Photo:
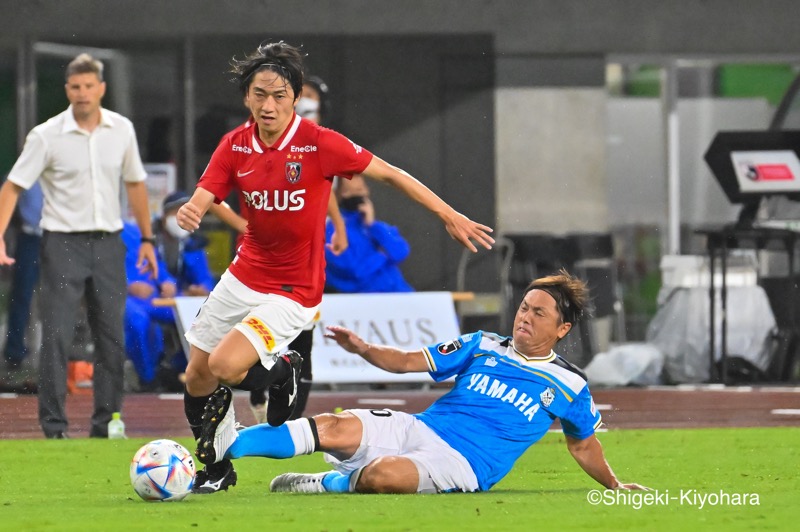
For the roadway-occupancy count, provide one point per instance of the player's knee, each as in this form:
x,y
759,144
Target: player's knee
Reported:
x,y
199,376
339,434
330,426
223,370
389,474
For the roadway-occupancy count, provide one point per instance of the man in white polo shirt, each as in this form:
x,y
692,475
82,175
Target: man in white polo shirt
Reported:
x,y
81,156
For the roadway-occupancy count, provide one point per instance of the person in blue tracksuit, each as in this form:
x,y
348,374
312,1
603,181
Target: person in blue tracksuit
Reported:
x,y
144,337
183,253
183,271
371,263
25,274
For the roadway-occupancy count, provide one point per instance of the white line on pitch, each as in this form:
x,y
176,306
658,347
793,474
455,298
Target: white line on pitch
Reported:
x,y
786,411
170,396
601,406
376,401
8,396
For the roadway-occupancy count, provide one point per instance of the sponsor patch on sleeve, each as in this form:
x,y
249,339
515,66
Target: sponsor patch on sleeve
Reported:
x,y
449,347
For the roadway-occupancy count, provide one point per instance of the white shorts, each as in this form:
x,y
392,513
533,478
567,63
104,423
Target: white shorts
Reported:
x,y
391,433
269,321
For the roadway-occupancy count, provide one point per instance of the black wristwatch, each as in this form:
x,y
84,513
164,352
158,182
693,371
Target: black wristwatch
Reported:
x,y
149,240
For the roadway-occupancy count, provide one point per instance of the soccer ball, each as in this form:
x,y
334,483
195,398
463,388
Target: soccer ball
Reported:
x,y
162,470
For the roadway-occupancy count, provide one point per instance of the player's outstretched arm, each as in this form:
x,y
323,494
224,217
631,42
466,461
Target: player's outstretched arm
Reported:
x,y
458,226
589,455
385,357
191,212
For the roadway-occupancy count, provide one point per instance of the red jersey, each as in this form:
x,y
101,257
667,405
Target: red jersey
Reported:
x,y
285,190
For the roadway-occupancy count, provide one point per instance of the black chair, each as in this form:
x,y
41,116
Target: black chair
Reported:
x,y
535,255
592,257
486,274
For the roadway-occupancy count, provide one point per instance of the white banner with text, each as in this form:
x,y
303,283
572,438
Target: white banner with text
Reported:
x,y
408,321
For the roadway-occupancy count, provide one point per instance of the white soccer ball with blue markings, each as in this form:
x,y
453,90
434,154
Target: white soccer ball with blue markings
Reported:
x,y
162,470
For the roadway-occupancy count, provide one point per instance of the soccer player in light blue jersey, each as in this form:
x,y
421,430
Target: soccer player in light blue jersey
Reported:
x,y
507,393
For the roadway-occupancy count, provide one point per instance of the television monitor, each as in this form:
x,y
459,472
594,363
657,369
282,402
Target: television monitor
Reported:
x,y
752,164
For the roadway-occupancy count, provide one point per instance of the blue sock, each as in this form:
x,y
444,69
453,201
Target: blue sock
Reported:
x,y
263,440
336,482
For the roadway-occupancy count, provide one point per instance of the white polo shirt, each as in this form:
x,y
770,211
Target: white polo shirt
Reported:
x,y
80,172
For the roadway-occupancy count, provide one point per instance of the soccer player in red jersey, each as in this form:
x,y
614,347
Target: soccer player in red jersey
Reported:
x,y
283,166
312,104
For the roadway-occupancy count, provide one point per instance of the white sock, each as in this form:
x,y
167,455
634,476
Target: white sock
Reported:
x,y
302,436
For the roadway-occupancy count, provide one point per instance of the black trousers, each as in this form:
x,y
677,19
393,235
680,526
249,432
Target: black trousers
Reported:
x,y
74,265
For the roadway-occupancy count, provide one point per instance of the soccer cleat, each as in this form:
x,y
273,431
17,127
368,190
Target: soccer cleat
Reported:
x,y
218,428
218,477
283,396
299,482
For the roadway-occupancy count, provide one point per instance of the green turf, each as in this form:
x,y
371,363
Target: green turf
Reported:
x,y
83,485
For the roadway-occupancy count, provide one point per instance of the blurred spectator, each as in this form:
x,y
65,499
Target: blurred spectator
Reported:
x,y
314,102
183,253
82,156
152,341
372,260
144,337
25,274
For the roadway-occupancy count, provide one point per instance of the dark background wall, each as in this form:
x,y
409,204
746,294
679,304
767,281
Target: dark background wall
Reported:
x,y
519,26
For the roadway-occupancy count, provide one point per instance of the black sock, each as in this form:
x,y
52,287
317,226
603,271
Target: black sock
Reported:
x,y
303,391
258,397
314,431
193,408
303,343
260,377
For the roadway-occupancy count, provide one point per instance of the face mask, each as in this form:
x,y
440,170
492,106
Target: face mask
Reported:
x,y
351,203
171,226
307,108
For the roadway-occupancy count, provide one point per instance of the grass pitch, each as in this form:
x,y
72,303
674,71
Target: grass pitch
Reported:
x,y
708,479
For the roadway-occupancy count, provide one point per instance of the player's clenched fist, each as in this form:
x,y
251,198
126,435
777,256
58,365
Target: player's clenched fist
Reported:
x,y
189,216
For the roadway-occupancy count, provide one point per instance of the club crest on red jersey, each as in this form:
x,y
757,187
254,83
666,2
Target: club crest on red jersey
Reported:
x,y
293,170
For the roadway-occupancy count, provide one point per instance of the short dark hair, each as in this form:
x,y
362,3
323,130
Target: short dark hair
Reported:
x,y
279,57
571,294
84,64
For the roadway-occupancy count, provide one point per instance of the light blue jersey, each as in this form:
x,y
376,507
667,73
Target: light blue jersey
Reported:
x,y
502,403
